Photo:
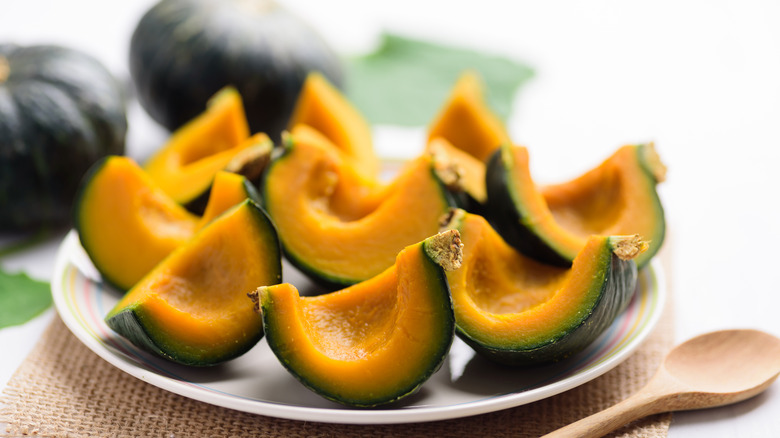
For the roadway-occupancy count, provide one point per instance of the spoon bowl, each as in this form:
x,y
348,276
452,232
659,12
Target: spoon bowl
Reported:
x,y
725,362
713,369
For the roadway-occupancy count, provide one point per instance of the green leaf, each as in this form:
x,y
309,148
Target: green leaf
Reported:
x,y
21,298
406,81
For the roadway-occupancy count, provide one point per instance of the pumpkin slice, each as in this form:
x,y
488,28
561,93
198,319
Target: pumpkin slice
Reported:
x,y
323,107
467,122
218,139
127,224
553,223
372,343
192,307
471,173
341,228
228,190
518,311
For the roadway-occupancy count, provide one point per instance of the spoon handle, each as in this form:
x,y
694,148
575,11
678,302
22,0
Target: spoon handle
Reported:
x,y
601,423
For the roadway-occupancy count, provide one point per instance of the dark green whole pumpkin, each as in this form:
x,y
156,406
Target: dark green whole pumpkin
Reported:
x,y
184,51
60,111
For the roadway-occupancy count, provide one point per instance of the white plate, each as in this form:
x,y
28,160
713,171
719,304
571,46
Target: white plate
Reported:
x,y
257,383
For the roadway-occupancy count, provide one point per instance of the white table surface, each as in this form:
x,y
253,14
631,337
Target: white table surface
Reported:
x,y
700,78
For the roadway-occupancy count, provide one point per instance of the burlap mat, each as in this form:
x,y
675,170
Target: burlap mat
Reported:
x,y
62,389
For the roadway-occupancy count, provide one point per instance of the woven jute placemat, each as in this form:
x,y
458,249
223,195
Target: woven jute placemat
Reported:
x,y
63,389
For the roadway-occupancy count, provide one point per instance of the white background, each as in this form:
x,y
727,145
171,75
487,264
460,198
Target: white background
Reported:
x,y
699,78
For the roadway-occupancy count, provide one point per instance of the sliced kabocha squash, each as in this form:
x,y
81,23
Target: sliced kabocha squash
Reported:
x,y
517,311
192,307
467,122
127,224
470,173
341,228
228,190
217,139
553,223
468,131
372,343
323,107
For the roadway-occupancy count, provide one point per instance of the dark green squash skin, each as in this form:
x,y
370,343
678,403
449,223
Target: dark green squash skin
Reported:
x,y
133,324
265,52
618,280
141,330
507,216
439,287
327,281
60,111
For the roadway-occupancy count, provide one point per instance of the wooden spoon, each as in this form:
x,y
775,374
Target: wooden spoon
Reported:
x,y
713,369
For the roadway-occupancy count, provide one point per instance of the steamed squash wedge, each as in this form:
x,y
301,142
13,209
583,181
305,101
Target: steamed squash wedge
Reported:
x,y
470,173
552,223
517,311
468,132
127,224
323,107
372,343
339,227
217,139
228,190
467,122
192,307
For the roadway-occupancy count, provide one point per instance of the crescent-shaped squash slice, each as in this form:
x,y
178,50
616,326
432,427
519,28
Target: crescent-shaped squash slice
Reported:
x,y
217,139
127,224
339,227
323,107
192,307
471,173
553,223
372,343
467,122
517,311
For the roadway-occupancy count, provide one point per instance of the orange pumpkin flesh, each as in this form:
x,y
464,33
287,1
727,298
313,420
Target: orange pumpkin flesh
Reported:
x,y
322,107
340,227
553,223
609,199
127,224
467,122
227,190
192,308
373,342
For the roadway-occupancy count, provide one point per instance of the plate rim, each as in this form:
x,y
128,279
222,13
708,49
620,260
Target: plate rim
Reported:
x,y
416,414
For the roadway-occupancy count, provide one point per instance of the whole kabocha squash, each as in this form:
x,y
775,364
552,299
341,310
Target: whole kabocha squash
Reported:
x,y
184,51
60,111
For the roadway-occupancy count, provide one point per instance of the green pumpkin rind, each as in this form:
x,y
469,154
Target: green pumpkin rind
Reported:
x,y
60,111
260,48
507,212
